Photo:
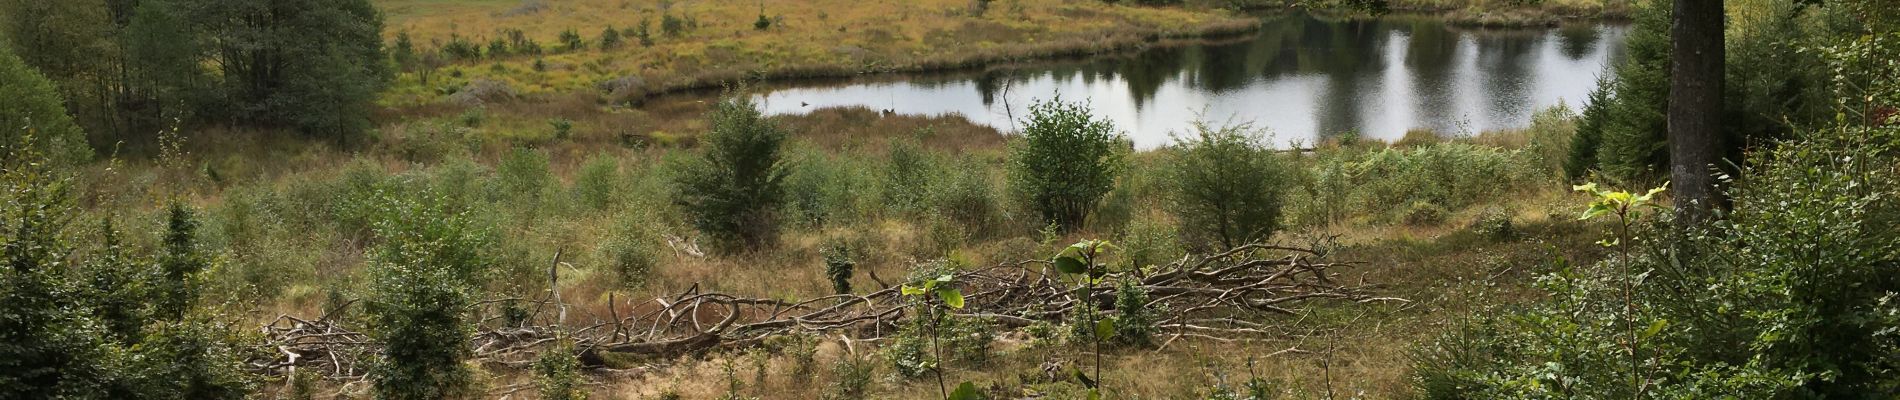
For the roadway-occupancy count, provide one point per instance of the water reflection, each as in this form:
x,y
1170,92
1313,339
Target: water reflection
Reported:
x,y
1300,76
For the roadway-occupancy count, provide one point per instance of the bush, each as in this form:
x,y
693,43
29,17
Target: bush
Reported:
x,y
1136,324
762,23
53,348
598,182
1423,213
838,267
571,41
732,192
851,378
1064,162
1225,186
558,372
906,177
522,177
631,252
1495,224
179,265
191,360
423,270
826,189
609,38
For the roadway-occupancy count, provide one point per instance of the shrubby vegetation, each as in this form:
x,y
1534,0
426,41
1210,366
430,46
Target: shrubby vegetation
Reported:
x,y
1789,296
1067,159
733,191
1226,186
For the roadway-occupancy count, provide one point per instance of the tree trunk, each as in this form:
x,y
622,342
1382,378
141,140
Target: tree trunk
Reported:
x,y
1695,105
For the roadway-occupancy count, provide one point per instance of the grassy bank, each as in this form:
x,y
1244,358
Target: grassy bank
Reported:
x,y
707,43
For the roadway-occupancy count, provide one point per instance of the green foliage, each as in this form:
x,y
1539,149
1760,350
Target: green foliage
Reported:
x,y
191,360
1135,326
571,41
179,264
522,177
1631,141
558,372
762,23
272,73
1786,298
827,189
1495,224
117,284
672,26
1423,213
851,378
563,128
425,266
631,252
598,183
1065,162
644,34
609,38
50,347
839,266
732,192
1225,186
34,103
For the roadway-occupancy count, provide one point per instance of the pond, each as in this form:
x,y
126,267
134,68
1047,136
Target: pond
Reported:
x,y
1301,77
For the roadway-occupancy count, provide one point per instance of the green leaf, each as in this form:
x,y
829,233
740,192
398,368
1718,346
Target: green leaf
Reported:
x,y
1071,265
1655,328
1095,394
911,290
951,297
1104,329
965,391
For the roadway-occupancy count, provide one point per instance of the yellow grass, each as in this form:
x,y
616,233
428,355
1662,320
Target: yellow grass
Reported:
x,y
809,38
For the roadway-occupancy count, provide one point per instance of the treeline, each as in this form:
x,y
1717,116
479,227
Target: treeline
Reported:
x,y
129,68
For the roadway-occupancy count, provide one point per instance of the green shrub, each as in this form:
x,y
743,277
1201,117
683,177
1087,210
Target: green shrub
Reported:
x,y
1495,224
733,191
116,283
191,360
1225,186
179,264
1789,297
571,41
762,23
1064,162
522,178
632,251
1136,324
425,266
826,189
839,266
1423,213
906,177
598,183
851,378
558,372
609,38
53,348
563,128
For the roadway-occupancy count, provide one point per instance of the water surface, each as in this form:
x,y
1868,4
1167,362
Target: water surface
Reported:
x,y
1300,77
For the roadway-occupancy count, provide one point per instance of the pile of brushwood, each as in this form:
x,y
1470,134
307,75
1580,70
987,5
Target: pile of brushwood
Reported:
x,y
1233,295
